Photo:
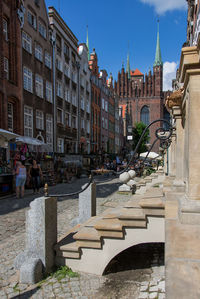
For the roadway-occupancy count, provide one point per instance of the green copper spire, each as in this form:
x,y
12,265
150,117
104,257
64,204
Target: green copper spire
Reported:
x,y
158,59
87,43
128,65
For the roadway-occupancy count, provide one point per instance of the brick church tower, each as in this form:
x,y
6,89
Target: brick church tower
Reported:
x,y
143,94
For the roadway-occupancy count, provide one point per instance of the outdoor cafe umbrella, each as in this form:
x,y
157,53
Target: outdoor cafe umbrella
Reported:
x,y
151,155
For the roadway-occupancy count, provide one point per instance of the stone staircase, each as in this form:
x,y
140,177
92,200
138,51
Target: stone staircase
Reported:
x,y
90,246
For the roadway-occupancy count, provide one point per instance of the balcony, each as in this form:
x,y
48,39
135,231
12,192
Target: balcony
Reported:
x,y
74,109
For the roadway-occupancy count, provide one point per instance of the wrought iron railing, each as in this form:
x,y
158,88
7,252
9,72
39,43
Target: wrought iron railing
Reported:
x,y
162,134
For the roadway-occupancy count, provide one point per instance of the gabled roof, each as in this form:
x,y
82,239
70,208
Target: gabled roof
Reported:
x,y
136,73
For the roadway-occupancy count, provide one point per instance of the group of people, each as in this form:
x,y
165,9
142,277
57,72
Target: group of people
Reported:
x,y
34,174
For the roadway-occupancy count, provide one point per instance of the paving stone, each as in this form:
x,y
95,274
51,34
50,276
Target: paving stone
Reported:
x,y
161,296
161,286
153,295
143,296
153,289
144,288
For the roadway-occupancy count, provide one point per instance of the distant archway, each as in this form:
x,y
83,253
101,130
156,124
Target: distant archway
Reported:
x,y
144,115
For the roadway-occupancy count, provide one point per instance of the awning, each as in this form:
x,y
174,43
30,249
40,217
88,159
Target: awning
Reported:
x,y
7,134
33,141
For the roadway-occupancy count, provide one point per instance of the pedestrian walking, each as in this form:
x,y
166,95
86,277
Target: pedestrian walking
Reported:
x,y
35,173
20,178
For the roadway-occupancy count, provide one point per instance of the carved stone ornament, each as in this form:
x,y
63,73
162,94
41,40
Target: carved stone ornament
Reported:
x,y
175,99
20,12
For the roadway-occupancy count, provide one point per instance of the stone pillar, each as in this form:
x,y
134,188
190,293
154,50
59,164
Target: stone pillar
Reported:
x,y
193,135
87,204
179,181
172,156
41,236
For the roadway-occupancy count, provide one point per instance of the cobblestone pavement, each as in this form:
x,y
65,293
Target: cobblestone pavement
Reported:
x,y
132,283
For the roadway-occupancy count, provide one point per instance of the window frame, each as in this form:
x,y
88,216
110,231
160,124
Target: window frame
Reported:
x,y
39,87
26,42
30,115
39,120
29,76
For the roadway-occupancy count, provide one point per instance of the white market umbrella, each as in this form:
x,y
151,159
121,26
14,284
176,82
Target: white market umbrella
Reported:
x,y
7,134
151,155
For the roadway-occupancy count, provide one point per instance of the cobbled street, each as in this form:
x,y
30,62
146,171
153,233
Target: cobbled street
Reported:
x,y
124,278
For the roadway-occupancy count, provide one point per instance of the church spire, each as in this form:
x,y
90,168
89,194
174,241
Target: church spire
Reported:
x,y
158,59
87,43
128,65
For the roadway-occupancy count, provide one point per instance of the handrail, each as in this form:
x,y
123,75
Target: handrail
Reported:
x,y
160,135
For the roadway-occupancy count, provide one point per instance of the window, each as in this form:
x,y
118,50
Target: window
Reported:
x,y
49,130
60,145
47,59
106,124
28,79
67,95
26,42
6,68
38,52
28,121
59,116
102,122
144,115
87,107
74,122
5,29
59,89
10,117
88,126
67,71
103,104
66,50
106,106
82,104
67,119
74,99
42,30
39,86
39,120
74,77
32,20
48,91
59,64
82,123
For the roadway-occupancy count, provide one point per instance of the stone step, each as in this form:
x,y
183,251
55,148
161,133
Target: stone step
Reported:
x,y
88,234
131,214
153,202
68,254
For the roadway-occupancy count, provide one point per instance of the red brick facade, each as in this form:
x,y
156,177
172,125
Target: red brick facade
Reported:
x,y
10,68
142,92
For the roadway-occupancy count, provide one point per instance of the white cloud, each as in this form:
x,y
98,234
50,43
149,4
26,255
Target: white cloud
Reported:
x,y
169,73
162,6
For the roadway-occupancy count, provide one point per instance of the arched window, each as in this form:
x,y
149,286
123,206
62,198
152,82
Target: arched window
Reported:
x,y
144,115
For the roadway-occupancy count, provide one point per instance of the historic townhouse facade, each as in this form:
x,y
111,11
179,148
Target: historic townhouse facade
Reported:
x,y
95,104
66,81
37,68
85,101
10,66
104,111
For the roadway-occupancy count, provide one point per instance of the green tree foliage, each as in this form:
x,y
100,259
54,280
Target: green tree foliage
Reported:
x,y
137,132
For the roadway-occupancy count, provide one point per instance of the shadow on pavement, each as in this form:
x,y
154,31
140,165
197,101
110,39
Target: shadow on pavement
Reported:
x,y
104,189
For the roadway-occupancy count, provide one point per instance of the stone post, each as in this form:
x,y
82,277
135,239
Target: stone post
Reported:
x,y
87,204
193,135
41,236
172,156
179,181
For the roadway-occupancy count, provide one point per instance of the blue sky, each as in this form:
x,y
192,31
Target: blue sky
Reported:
x,y
112,25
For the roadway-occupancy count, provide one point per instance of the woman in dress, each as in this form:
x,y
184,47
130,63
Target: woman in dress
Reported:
x,y
20,178
35,173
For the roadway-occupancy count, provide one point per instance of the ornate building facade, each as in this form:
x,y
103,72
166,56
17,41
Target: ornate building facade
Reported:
x,y
10,66
142,95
